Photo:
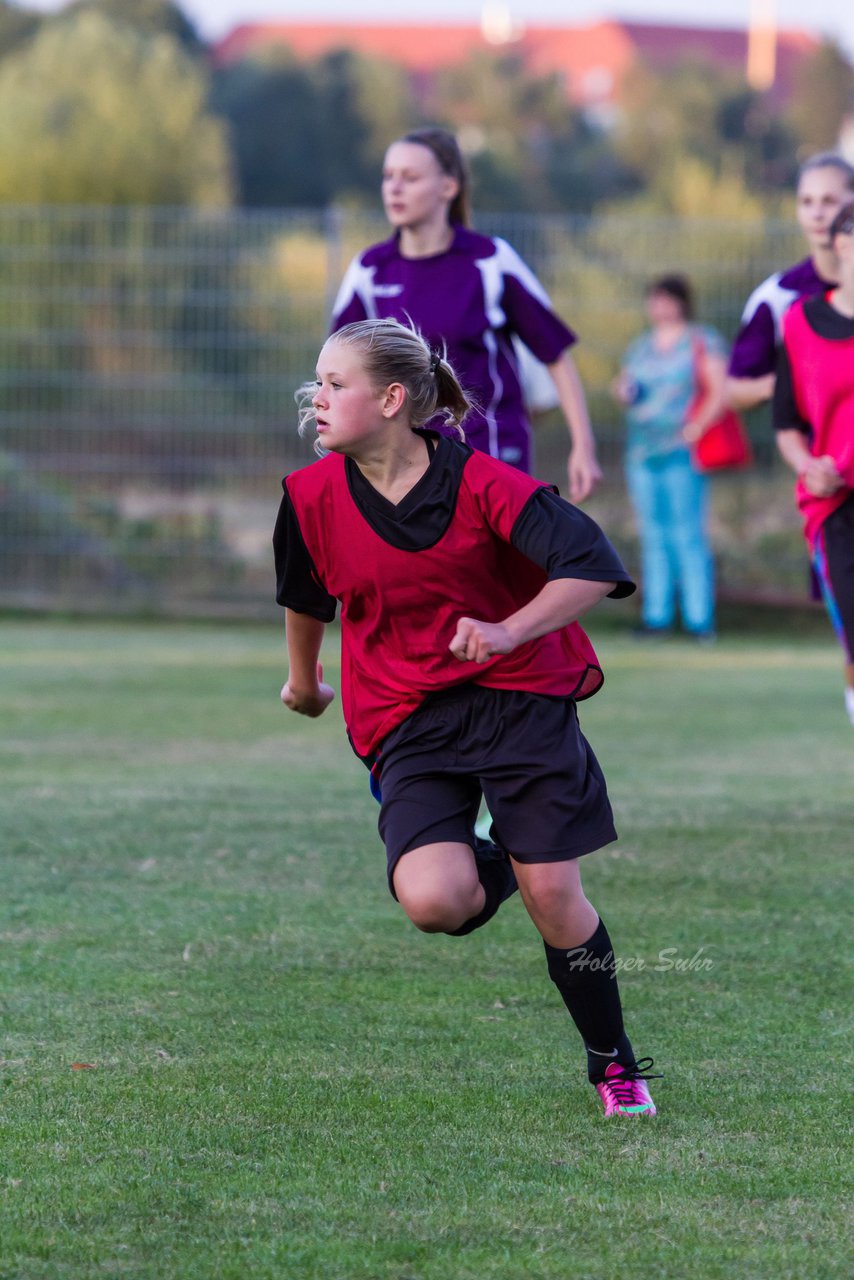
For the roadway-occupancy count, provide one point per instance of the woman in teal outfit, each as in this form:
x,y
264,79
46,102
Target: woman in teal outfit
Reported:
x,y
657,386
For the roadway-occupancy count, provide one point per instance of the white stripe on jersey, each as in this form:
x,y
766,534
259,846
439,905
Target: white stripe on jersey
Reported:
x,y
510,264
493,287
506,262
775,298
493,270
358,283
489,341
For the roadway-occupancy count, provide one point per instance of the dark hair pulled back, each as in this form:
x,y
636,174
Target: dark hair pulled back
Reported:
x,y
449,157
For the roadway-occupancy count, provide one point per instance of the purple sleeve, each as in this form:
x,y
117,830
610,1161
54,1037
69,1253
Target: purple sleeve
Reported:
x,y
351,313
528,307
754,352
542,331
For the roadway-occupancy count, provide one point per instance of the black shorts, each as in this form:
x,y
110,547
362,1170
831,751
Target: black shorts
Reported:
x,y
523,752
834,564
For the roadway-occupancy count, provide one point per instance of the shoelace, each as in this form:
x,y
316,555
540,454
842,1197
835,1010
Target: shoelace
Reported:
x,y
621,1085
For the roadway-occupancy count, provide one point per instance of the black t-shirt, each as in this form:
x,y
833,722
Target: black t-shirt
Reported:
x,y
828,323
562,540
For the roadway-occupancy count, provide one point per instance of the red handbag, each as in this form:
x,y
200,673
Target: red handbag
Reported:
x,y
725,444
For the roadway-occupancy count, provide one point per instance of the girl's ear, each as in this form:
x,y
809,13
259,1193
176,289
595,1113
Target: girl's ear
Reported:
x,y
451,188
394,398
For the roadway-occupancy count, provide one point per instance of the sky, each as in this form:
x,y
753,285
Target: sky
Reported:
x,y
214,18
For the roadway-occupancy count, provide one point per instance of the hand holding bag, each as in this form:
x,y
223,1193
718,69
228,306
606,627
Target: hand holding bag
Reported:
x,y
725,444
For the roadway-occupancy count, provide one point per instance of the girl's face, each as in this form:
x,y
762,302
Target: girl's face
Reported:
x,y
663,308
349,410
415,190
821,194
844,248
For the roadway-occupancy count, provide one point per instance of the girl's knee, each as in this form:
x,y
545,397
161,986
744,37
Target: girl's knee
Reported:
x,y
438,887
551,889
545,906
436,913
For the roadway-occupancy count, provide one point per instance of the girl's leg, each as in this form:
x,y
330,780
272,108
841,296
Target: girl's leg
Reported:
x,y
438,886
687,494
649,501
833,561
580,959
556,902
446,888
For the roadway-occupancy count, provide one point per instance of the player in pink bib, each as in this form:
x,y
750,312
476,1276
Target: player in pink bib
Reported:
x,y
814,421
825,184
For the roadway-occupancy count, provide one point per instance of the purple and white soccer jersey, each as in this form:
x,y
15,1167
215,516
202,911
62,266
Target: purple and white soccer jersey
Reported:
x,y
754,351
474,297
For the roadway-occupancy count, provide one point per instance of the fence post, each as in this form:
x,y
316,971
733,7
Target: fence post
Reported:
x,y
332,231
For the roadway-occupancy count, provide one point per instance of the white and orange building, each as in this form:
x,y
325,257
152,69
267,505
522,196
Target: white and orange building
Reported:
x,y
591,60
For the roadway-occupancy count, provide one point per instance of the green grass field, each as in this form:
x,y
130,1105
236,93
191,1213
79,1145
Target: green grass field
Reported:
x,y
285,1079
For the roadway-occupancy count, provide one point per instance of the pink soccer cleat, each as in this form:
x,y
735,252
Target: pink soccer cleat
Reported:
x,y
624,1091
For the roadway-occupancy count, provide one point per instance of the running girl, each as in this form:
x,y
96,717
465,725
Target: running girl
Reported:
x,y
460,582
471,294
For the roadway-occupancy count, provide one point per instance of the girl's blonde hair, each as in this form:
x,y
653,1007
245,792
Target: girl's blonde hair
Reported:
x,y
395,352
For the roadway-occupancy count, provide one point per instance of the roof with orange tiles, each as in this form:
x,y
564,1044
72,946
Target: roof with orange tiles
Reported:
x,y
592,59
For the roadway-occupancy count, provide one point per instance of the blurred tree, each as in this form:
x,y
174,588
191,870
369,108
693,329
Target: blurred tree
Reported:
x,y
664,117
755,140
310,133
824,96
344,156
529,149
700,114
365,104
16,26
695,189
92,112
150,17
272,111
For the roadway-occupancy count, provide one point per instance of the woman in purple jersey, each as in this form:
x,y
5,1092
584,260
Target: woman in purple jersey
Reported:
x,y
471,293
825,183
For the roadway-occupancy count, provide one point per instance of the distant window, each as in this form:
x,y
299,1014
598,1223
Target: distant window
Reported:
x,y
598,82
602,116
471,138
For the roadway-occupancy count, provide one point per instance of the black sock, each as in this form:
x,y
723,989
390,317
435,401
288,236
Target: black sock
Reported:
x,y
586,978
496,874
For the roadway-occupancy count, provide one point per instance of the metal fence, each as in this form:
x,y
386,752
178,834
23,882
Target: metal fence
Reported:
x,y
148,363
